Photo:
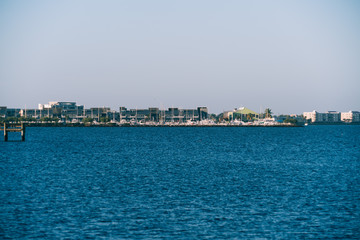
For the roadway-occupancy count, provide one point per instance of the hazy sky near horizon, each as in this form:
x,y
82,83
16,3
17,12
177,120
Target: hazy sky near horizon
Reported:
x,y
290,56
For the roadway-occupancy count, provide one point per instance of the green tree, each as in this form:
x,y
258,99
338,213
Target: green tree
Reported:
x,y
268,113
12,119
249,116
104,119
49,119
27,119
290,120
87,120
213,117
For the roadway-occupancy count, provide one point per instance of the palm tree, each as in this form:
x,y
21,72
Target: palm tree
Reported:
x,y
268,113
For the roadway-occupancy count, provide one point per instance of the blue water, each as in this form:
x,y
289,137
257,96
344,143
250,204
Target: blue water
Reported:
x,y
183,183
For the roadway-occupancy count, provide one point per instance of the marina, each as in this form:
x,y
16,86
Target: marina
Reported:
x,y
167,124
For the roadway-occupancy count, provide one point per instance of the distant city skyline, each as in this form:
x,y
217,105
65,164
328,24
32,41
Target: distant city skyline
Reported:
x,y
292,57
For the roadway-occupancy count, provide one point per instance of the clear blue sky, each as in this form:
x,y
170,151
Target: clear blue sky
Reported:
x,y
290,56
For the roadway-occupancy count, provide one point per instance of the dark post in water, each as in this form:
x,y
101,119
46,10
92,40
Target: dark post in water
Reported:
x,y
14,127
5,133
22,132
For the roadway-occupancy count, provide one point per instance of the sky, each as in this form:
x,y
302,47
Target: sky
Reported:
x,y
290,56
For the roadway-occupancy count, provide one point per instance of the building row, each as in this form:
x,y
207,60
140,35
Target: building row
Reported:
x,y
73,112
70,111
332,116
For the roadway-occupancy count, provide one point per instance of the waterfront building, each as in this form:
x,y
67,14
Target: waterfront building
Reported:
x,y
13,112
203,113
3,111
136,115
185,115
112,116
49,113
351,116
45,112
169,115
333,116
154,114
174,115
240,113
328,117
192,115
62,110
29,113
122,114
62,105
97,112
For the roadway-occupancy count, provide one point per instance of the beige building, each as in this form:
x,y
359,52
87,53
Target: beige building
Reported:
x,y
351,116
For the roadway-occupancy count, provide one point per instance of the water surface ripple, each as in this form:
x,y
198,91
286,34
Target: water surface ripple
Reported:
x,y
183,183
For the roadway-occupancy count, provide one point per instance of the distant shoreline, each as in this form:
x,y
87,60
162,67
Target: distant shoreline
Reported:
x,y
79,125
145,126
340,123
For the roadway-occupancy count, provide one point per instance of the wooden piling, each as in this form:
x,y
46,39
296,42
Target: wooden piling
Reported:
x,y
22,132
13,127
5,133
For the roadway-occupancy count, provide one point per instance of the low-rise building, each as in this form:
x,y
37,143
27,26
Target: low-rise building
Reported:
x,y
242,113
69,110
328,117
156,115
97,112
13,112
351,116
29,113
62,105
